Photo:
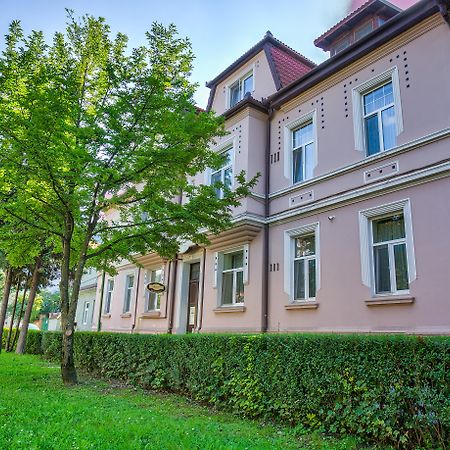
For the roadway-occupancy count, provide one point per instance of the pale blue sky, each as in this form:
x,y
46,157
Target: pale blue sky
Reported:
x,y
219,31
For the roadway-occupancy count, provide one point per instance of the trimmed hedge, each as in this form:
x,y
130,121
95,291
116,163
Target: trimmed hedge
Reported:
x,y
33,344
388,389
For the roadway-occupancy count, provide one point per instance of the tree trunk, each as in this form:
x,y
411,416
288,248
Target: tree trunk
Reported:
x,y
26,319
19,317
4,307
8,340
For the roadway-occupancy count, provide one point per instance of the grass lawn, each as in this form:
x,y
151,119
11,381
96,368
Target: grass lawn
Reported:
x,y
38,412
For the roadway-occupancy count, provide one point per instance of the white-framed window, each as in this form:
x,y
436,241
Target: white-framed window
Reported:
x,y
387,248
304,267
129,287
390,265
302,152
240,88
379,119
85,313
224,174
109,295
300,155
152,299
231,275
233,278
301,262
377,113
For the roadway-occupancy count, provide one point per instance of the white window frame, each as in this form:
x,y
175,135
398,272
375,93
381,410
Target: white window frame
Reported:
x,y
289,257
129,290
222,170
218,271
289,148
148,294
366,217
358,92
109,295
85,317
240,83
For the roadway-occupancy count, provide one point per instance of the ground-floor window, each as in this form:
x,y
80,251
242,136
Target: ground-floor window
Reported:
x,y
85,313
304,267
109,294
129,286
233,278
153,299
389,255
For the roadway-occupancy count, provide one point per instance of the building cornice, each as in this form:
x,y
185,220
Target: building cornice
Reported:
x,y
409,146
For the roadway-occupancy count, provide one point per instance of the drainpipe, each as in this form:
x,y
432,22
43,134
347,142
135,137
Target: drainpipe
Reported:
x,y
102,291
203,291
169,289
265,258
172,294
136,299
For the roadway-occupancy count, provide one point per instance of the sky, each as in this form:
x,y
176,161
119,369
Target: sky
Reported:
x,y
220,32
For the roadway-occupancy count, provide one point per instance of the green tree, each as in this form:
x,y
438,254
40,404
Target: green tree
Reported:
x,y
98,145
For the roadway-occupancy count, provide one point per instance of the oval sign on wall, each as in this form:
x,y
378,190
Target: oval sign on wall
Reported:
x,y
156,287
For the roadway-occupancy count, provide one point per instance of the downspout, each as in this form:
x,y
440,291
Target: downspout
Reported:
x,y
102,292
169,289
172,294
133,326
265,258
203,291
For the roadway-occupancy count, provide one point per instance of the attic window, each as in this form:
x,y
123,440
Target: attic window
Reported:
x,y
363,30
241,87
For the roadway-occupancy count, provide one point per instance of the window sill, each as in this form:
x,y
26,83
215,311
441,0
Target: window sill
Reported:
x,y
106,316
390,300
229,309
302,305
150,315
125,315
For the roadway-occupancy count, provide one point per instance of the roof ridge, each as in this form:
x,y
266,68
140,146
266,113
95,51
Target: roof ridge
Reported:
x,y
352,14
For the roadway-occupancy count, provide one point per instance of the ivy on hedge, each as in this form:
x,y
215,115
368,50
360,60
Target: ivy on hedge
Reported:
x,y
388,389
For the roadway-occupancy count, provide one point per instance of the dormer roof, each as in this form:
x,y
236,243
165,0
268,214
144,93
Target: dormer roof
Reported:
x,y
285,63
381,8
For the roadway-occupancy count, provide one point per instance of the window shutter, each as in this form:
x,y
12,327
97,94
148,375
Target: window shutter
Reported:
x,y
216,269
246,262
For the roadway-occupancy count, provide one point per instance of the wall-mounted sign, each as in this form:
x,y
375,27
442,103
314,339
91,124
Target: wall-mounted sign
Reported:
x,y
156,287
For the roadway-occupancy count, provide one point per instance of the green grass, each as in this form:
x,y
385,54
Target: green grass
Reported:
x,y
38,412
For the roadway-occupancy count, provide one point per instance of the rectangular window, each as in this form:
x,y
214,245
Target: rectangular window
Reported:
x,y
363,30
224,174
341,45
85,313
233,278
379,119
109,294
240,88
304,268
389,255
129,284
153,300
303,152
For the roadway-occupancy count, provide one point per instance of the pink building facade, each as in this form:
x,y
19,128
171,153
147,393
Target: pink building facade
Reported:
x,y
348,228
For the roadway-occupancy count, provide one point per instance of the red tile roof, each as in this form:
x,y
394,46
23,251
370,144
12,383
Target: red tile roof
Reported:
x,y
288,67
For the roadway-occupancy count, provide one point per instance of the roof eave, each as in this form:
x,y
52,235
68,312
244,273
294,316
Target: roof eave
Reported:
x,y
246,102
387,31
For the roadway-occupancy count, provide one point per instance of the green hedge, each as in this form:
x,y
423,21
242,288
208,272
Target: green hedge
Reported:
x,y
392,390
33,344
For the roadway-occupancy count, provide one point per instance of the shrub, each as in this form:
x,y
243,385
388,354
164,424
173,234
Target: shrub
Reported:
x,y
390,389
33,344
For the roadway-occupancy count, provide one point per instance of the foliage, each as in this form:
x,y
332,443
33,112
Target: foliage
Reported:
x,y
38,412
97,145
46,302
33,342
392,390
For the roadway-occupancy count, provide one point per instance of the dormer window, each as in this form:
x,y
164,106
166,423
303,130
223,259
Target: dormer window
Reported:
x,y
241,87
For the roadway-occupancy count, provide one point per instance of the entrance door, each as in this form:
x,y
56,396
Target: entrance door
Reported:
x,y
194,280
